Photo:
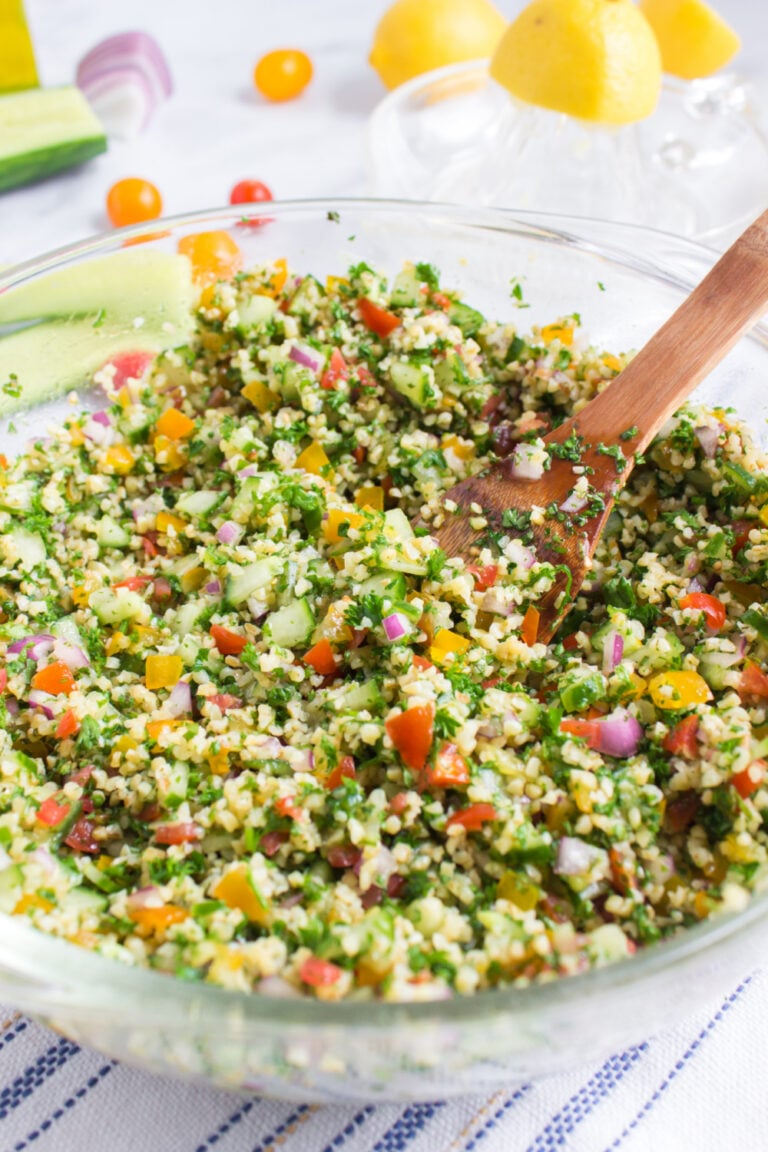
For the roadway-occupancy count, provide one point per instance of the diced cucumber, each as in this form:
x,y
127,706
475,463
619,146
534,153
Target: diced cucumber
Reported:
x,y
361,697
189,650
114,606
199,504
580,688
11,880
451,374
391,586
110,534
413,381
713,673
244,582
406,289
466,318
44,130
66,630
85,899
187,616
306,297
292,625
183,564
256,310
397,526
23,549
241,508
394,559
173,784
662,650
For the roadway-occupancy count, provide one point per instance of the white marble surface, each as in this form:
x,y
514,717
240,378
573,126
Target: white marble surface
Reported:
x,y
216,130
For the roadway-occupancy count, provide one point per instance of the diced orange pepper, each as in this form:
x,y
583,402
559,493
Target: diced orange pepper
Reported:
x,y
447,643
236,891
155,728
313,459
450,769
458,447
277,280
119,459
67,726
530,627
167,520
175,425
412,732
168,454
612,362
559,331
673,690
228,643
32,900
3,461
370,498
321,658
262,398
158,919
377,320
163,671
218,762
55,678
422,663
337,519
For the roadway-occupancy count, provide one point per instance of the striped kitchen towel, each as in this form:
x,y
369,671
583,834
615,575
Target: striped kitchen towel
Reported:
x,y
700,1086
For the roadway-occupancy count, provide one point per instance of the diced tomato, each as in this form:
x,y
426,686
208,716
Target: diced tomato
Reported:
x,y
360,454
182,833
129,365
753,682
473,817
623,872
271,842
450,769
344,770
377,320
149,544
422,663
713,609
747,782
681,811
571,642
228,643
224,702
285,807
321,658
343,856
440,300
683,739
81,837
530,627
161,588
491,682
56,679
741,530
52,813
134,583
484,577
395,885
337,372
411,733
319,973
365,376
588,730
82,776
149,813
67,726
3,680
398,803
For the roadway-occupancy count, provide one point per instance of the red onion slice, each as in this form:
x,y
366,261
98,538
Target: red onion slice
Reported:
x,y
620,734
70,655
523,467
229,533
708,438
125,78
39,645
180,700
396,626
306,356
574,856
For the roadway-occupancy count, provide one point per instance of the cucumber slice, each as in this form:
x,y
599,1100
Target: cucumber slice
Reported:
x,y
110,534
291,626
414,381
11,880
406,289
187,616
241,508
466,318
84,900
113,607
23,549
173,784
361,697
255,310
397,525
243,582
189,650
45,130
390,586
306,297
199,504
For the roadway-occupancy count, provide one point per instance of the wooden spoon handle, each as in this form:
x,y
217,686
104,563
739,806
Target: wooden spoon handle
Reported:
x,y
730,299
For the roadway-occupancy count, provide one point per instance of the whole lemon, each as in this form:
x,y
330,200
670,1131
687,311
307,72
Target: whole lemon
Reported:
x,y
415,36
593,59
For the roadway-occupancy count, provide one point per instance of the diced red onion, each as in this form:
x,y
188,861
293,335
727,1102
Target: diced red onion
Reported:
x,y
213,588
41,700
694,585
149,897
708,439
662,868
396,626
523,467
38,646
493,601
97,433
11,705
229,533
306,356
620,734
574,856
70,655
574,503
613,650
102,418
277,988
180,700
520,556
125,77
246,473
269,749
301,759
43,857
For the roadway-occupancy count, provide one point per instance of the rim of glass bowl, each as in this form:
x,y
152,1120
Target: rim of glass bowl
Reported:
x,y
42,971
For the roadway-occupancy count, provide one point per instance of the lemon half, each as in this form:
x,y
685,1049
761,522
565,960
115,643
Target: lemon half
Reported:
x,y
693,39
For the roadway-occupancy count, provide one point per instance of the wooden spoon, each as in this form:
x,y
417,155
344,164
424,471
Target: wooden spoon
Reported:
x,y
613,429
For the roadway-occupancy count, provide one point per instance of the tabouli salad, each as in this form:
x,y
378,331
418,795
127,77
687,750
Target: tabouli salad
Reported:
x,y
260,731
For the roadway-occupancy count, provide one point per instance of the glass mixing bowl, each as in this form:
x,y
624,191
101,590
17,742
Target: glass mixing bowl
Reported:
x,y
624,281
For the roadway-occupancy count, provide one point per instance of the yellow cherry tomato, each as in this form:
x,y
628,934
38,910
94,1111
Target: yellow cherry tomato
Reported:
x,y
213,256
133,201
674,690
283,74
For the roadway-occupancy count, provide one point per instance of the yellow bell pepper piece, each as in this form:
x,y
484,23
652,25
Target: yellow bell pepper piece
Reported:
x,y
194,579
17,58
262,398
175,425
519,890
158,919
32,900
76,437
447,643
168,455
612,362
166,521
559,331
117,642
333,283
337,518
119,459
313,459
218,762
673,690
155,728
236,891
458,447
162,671
370,498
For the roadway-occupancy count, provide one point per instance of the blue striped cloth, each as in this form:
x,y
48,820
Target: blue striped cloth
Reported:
x,y
701,1087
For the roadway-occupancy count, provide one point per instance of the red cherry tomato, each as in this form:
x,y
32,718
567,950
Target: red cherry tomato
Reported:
x,y
249,192
133,201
